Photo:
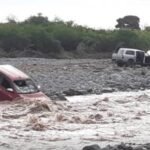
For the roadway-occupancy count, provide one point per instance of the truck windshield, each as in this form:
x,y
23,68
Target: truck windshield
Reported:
x,y
25,86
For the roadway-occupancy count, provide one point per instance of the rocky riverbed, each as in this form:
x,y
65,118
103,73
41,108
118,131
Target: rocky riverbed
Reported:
x,y
81,76
117,109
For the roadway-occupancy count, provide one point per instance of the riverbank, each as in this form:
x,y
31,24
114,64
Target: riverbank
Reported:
x,y
64,77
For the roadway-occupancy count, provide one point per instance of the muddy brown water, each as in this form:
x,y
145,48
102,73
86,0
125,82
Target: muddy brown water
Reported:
x,y
81,120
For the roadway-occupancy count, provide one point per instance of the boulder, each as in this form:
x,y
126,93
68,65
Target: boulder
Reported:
x,y
91,147
72,92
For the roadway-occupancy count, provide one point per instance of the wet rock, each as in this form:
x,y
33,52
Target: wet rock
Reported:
x,y
58,97
123,146
107,90
72,92
98,117
92,147
89,91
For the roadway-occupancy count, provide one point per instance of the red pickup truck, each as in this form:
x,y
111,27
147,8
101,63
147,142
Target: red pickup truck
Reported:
x,y
15,84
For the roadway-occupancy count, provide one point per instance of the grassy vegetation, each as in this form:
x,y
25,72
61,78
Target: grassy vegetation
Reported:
x,y
39,37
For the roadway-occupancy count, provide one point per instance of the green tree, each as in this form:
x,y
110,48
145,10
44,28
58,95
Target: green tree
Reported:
x,y
39,19
11,19
128,22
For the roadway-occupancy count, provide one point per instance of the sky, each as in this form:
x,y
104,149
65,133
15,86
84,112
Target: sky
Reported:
x,y
98,14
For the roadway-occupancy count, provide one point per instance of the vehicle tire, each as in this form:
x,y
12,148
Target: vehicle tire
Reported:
x,y
120,63
130,63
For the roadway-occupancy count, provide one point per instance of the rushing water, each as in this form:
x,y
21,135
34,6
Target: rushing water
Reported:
x,y
82,120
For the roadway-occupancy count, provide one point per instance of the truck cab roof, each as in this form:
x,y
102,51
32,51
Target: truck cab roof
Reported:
x,y
12,72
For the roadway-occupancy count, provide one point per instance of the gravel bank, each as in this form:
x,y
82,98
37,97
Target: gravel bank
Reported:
x,y
81,76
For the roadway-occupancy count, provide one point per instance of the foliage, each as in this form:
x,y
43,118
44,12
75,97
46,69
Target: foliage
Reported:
x,y
52,38
39,19
128,22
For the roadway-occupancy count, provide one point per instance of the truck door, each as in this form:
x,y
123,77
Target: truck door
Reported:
x,y
4,95
139,57
5,86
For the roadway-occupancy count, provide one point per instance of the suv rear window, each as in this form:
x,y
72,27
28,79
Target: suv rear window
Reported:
x,y
130,52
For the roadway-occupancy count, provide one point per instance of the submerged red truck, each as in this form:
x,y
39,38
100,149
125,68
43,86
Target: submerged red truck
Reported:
x,y
15,84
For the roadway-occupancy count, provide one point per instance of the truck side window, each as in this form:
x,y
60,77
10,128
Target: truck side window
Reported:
x,y
130,52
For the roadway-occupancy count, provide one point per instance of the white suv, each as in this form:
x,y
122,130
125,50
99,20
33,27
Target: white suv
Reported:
x,y
128,56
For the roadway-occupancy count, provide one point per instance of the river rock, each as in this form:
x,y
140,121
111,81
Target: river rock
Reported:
x,y
92,147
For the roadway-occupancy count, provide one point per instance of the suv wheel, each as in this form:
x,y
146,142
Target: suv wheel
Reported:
x,y
130,63
120,63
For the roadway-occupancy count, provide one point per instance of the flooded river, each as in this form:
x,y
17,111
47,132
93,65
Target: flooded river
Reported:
x,y
81,120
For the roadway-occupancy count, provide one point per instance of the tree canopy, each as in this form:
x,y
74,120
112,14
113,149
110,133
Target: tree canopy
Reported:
x,y
37,36
128,22
39,19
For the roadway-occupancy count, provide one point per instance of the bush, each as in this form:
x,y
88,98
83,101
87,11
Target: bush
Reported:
x,y
56,38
